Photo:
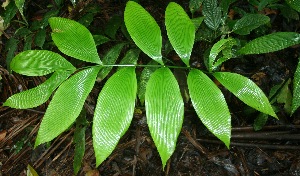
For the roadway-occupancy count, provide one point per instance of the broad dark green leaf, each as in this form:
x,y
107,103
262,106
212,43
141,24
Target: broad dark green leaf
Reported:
x,y
144,78
270,43
164,111
36,96
110,58
39,62
296,89
246,90
295,4
210,105
79,140
10,11
197,22
143,30
212,14
180,30
260,121
40,37
10,48
66,104
112,26
28,41
249,22
114,112
100,39
73,39
224,5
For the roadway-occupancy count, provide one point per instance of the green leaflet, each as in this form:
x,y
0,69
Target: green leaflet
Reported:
x,y
143,30
164,110
197,22
260,121
249,22
66,104
180,30
246,90
144,78
39,62
112,26
110,58
270,43
114,112
73,39
210,105
195,5
36,96
296,89
20,5
212,14
295,4
100,39
216,49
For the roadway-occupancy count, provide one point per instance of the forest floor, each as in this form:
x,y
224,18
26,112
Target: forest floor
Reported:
x,y
274,150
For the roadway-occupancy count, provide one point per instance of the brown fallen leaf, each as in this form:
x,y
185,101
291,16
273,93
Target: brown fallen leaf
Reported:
x,y
2,134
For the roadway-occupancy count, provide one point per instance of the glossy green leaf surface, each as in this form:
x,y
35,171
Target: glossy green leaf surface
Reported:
x,y
296,90
143,30
270,43
73,39
295,4
39,62
66,104
249,22
212,14
180,30
164,111
246,90
110,58
114,112
210,105
36,96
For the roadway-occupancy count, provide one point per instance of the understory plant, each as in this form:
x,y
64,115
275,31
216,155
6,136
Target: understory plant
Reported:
x,y
163,101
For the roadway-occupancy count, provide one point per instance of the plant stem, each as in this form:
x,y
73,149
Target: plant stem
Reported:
x,y
153,66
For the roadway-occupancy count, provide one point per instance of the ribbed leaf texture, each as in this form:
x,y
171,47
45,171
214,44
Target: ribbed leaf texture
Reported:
x,y
180,30
295,4
143,30
73,39
39,62
164,110
270,43
212,14
114,112
210,105
249,22
296,89
110,58
66,104
36,96
246,90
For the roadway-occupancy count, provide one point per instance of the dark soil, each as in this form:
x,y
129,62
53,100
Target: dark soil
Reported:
x,y
274,150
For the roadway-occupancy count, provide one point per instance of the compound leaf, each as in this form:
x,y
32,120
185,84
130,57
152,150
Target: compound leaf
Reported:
x,y
114,112
246,90
249,22
143,30
212,14
296,89
210,105
73,39
36,96
270,43
39,62
66,104
164,110
180,30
